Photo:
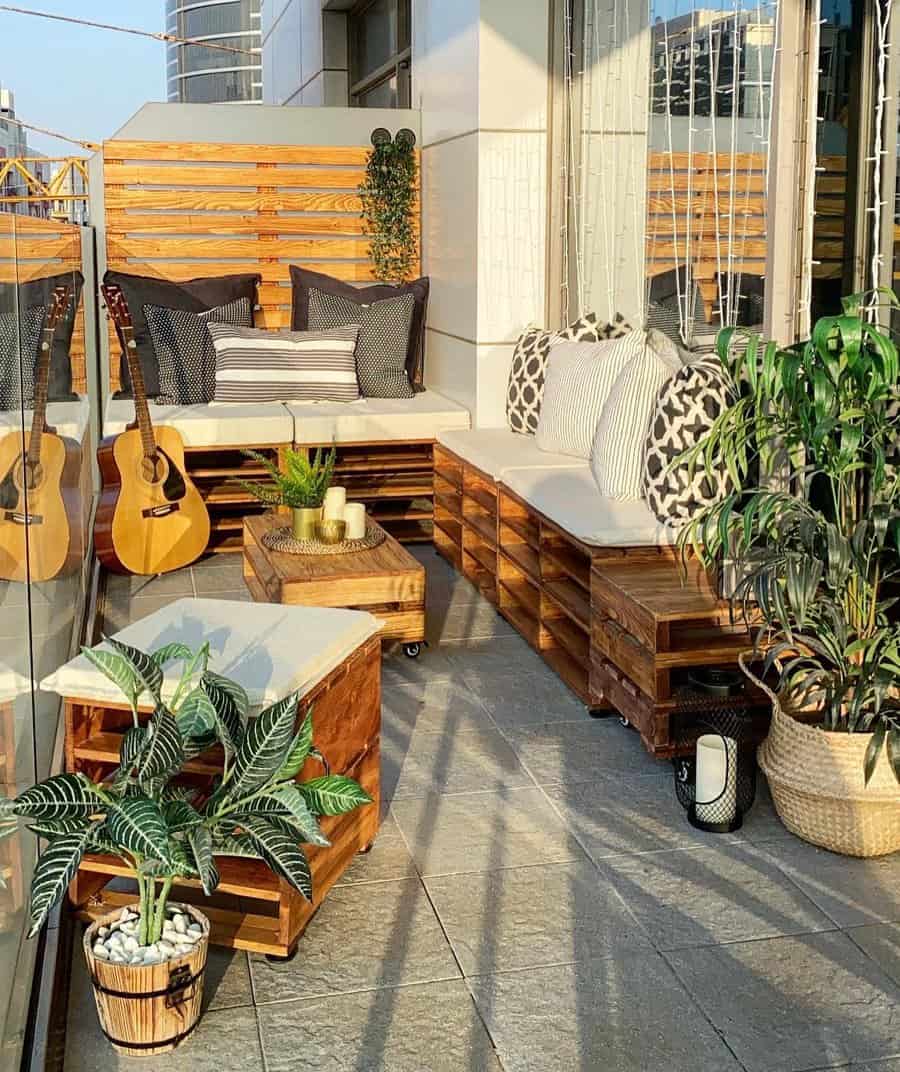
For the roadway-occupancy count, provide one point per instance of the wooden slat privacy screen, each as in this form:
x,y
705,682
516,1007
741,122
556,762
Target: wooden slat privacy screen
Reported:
x,y
33,248
180,211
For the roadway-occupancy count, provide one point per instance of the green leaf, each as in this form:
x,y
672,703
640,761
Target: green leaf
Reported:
x,y
235,845
55,869
893,751
64,796
200,841
263,748
214,709
138,825
334,794
117,669
280,851
170,652
163,750
873,751
289,803
196,714
51,828
299,750
179,816
230,704
147,672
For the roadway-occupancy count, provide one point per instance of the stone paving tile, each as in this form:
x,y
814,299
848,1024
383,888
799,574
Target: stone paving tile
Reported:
x,y
701,896
431,664
483,831
525,699
791,1004
122,610
577,751
364,937
430,1028
178,582
624,1014
850,890
227,1036
227,983
236,595
449,762
613,815
881,941
533,916
388,858
505,655
219,576
446,622
433,706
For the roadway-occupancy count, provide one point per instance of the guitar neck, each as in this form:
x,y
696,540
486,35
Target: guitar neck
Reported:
x,y
41,389
141,409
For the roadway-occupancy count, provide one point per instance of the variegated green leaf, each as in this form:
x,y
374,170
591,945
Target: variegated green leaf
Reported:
x,y
168,653
201,845
117,669
212,708
51,828
333,794
280,852
163,751
179,816
55,869
196,715
133,741
196,746
148,673
299,750
64,796
138,825
263,748
287,801
235,845
219,689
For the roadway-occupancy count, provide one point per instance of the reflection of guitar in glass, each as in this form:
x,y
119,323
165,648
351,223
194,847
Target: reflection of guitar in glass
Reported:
x,y
38,473
150,518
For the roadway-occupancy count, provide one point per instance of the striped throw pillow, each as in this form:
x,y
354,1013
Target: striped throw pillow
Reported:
x,y
285,366
617,451
578,379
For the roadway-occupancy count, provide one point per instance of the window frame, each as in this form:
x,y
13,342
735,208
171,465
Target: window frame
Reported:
x,y
399,64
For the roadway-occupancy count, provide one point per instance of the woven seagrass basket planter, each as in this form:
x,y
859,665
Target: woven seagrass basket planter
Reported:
x,y
819,790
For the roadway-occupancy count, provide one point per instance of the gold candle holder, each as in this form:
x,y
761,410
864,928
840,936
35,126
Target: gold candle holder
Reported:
x,y
330,530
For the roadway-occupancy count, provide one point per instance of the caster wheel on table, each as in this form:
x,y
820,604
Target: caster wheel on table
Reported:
x,y
272,959
411,651
623,721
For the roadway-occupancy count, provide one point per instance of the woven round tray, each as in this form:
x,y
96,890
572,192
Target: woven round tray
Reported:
x,y
281,539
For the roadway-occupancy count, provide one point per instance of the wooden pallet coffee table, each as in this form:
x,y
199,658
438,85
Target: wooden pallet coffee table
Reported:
x,y
385,581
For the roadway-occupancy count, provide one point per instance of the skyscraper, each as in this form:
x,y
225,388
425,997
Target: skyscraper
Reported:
x,y
198,74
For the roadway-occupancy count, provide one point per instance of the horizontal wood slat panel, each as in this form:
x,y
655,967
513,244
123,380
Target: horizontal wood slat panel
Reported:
x,y
231,200
249,154
162,223
178,271
245,248
315,178
718,182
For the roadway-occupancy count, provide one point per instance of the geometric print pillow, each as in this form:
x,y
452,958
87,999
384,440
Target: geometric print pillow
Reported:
x,y
19,341
686,408
384,329
529,365
184,349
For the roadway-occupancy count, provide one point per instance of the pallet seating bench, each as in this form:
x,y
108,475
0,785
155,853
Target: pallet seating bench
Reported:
x,y
602,597
333,658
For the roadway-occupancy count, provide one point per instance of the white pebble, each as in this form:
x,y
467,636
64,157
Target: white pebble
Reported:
x,y
102,932
136,959
165,947
183,950
101,951
180,924
114,941
130,944
116,957
195,928
152,956
125,915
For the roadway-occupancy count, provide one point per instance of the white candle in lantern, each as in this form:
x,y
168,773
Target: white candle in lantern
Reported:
x,y
716,778
355,516
335,500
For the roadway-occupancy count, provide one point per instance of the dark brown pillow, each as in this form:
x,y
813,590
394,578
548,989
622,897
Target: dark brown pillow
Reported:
x,y
40,292
191,296
302,280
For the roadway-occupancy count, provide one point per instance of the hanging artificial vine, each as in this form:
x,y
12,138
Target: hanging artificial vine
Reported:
x,y
388,206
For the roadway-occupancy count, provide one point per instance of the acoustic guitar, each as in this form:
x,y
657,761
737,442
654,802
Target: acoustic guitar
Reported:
x,y
39,480
150,518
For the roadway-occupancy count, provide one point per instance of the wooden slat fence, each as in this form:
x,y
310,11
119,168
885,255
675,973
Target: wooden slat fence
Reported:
x,y
183,210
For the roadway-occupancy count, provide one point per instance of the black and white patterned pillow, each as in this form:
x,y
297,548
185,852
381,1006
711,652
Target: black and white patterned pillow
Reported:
x,y
686,408
528,370
19,340
384,328
185,352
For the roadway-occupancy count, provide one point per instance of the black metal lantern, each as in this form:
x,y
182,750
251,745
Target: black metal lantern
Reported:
x,y
717,785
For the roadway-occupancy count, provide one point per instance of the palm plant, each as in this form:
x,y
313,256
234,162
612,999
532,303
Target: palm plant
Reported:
x,y
165,830
815,541
302,484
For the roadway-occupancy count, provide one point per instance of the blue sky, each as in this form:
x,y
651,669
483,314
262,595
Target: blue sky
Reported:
x,y
81,81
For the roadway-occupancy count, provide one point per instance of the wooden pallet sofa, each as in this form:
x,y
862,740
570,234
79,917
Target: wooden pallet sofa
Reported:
x,y
592,584
384,448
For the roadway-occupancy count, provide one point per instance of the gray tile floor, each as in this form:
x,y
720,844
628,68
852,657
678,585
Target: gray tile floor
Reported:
x,y
537,902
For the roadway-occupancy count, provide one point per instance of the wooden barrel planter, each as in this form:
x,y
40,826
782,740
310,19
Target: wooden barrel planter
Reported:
x,y
146,1010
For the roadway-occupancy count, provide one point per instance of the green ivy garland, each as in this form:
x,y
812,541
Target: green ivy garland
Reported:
x,y
388,210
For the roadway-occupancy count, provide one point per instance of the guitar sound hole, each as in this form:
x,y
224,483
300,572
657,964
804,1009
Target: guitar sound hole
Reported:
x,y
154,469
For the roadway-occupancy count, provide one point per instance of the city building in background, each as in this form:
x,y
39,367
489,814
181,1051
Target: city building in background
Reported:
x,y
356,54
198,74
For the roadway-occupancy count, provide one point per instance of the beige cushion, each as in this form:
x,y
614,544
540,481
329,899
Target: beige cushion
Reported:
x,y
376,419
571,499
226,424
497,450
270,649
69,419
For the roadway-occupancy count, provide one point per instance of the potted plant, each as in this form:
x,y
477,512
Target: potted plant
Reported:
x,y
146,961
813,525
301,486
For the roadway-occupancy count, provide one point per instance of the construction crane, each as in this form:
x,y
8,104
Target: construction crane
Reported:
x,y
61,196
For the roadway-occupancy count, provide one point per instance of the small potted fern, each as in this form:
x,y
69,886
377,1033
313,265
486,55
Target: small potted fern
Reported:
x,y
301,486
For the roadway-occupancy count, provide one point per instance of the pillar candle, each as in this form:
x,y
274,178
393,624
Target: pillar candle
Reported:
x,y
716,778
355,516
335,499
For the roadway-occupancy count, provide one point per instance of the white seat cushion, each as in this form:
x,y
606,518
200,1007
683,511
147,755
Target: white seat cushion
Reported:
x,y
570,498
376,419
209,425
69,419
256,644
497,450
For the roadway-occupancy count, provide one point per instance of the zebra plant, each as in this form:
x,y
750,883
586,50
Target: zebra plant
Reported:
x,y
163,829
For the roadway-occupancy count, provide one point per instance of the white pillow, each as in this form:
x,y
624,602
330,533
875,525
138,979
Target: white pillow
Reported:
x,y
579,378
617,452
